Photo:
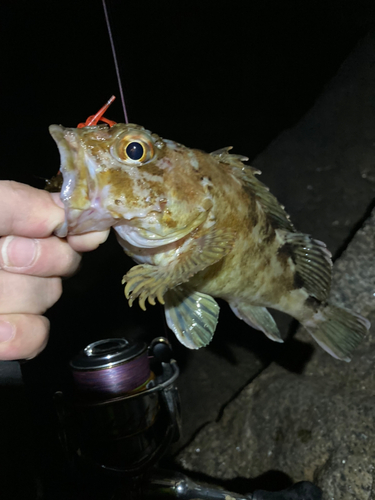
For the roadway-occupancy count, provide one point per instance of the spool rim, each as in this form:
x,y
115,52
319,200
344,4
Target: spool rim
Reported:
x,y
107,353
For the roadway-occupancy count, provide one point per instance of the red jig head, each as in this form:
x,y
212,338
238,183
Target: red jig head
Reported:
x,y
93,119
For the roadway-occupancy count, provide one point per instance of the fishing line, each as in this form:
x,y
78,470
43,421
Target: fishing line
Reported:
x,y
115,60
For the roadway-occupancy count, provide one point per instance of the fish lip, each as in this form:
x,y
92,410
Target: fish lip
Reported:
x,y
67,159
57,132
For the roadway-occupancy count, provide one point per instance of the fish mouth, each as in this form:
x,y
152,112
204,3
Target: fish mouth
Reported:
x,y
80,193
69,161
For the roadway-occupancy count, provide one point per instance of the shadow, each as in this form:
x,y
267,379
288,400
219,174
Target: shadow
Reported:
x,y
272,480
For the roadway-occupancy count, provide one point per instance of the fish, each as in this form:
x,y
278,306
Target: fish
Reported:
x,y
200,226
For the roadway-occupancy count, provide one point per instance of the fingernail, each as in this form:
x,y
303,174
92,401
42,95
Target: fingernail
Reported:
x,y
7,331
19,252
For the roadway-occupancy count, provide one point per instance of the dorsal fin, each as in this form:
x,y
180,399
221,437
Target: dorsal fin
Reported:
x,y
276,213
224,156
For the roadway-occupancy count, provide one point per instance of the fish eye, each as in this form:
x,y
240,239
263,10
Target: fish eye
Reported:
x,y
133,149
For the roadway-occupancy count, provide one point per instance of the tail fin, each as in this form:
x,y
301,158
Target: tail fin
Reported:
x,y
337,330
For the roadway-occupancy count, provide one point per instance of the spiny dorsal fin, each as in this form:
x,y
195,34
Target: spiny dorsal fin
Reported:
x,y
226,157
277,215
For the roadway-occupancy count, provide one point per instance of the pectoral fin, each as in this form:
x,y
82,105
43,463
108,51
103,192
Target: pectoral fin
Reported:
x,y
259,318
192,316
151,282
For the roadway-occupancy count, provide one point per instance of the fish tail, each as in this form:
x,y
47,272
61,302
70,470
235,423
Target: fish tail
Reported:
x,y
337,330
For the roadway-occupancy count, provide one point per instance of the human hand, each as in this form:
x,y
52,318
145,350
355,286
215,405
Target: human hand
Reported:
x,y
32,262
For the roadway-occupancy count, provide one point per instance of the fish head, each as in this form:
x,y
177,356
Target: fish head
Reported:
x,y
124,176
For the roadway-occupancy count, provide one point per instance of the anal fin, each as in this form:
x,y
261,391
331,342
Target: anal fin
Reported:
x,y
259,318
192,316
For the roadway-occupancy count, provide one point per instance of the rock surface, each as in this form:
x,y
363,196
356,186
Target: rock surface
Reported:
x,y
318,425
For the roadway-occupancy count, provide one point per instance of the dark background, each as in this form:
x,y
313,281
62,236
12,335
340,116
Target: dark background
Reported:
x,y
206,75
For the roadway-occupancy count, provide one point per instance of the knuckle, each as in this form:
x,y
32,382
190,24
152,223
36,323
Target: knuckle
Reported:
x,y
55,258
28,294
71,261
40,337
88,241
54,292
29,339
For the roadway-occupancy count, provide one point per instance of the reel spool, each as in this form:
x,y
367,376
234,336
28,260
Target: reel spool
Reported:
x,y
125,409
111,367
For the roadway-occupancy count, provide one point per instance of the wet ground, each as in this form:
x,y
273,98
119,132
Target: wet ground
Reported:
x,y
207,79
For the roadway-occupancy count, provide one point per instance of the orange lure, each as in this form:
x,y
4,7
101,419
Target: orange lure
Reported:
x,y
93,119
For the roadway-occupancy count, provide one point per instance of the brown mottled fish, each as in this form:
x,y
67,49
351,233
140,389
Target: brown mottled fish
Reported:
x,y
199,226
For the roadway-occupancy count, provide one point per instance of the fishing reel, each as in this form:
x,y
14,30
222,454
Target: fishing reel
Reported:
x,y
124,411
122,416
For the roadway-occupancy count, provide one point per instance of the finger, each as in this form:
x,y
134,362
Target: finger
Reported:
x,y
88,241
22,336
26,211
35,213
40,257
27,294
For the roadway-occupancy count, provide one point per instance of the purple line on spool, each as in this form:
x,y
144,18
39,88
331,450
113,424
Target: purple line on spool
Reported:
x,y
111,367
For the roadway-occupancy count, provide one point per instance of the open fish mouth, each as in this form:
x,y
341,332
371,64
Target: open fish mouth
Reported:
x,y
80,192
71,167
